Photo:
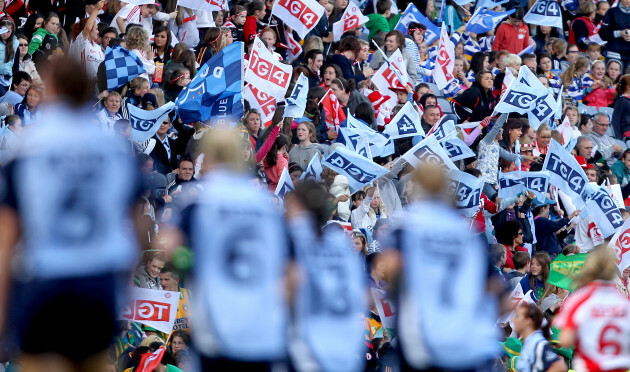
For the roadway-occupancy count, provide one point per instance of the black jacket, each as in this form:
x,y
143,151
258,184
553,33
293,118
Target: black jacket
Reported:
x,y
473,104
161,161
615,20
346,67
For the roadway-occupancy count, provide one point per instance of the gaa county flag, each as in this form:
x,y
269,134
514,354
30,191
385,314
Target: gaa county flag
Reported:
x,y
564,269
264,70
351,18
301,15
215,93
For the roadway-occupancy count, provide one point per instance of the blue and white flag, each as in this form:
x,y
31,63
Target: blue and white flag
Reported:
x,y
528,49
522,93
443,131
490,3
558,112
285,184
457,149
484,20
412,14
406,123
604,212
313,169
214,95
428,151
514,183
359,170
544,13
466,189
363,148
144,124
564,171
543,109
296,104
121,66
380,143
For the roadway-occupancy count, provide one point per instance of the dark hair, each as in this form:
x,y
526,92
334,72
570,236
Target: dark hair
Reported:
x,y
337,69
473,171
350,43
312,54
525,56
356,196
293,167
236,9
423,100
365,111
520,260
315,94
29,25
115,41
544,260
400,38
18,77
518,14
370,261
312,112
169,38
346,85
507,232
315,200
383,6
254,6
108,30
185,158
170,268
539,57
533,312
272,156
185,336
476,62
510,124
623,85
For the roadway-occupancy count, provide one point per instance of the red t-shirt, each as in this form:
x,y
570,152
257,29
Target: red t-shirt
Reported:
x,y
508,261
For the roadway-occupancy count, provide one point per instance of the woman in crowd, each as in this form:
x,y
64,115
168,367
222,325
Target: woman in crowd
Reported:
x,y
45,43
162,45
600,92
613,71
348,50
8,48
276,161
545,65
478,64
573,79
307,147
574,116
108,115
213,42
33,22
23,60
137,41
28,109
476,102
330,73
394,40
511,236
347,95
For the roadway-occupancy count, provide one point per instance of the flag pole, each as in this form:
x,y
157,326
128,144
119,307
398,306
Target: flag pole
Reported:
x,y
389,63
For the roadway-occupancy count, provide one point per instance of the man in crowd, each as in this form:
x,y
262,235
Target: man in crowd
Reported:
x,y
610,148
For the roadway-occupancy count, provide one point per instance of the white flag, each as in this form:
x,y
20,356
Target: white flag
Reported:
x,y
522,94
359,170
261,101
443,70
604,212
8,144
144,124
385,77
351,18
620,242
301,15
296,103
564,171
544,13
406,123
294,48
466,189
513,183
428,151
266,71
156,309
285,184
313,169
566,130
457,149
385,307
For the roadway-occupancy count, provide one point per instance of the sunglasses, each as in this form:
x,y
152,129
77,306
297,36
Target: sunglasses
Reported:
x,y
23,45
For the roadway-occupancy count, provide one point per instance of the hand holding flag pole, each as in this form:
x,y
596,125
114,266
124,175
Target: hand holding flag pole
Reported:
x,y
389,64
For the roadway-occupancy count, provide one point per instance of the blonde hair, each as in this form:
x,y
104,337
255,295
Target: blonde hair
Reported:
x,y
511,59
222,146
137,38
313,42
606,80
159,95
151,339
569,74
599,265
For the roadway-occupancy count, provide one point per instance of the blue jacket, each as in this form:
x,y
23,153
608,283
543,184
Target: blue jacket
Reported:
x,y
546,239
6,68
